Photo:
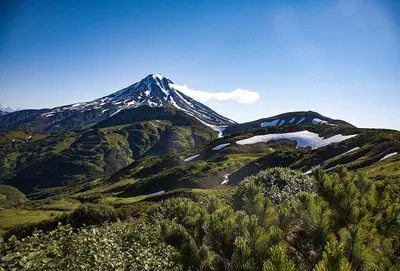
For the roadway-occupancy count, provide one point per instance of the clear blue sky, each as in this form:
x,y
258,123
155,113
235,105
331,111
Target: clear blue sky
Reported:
x,y
339,58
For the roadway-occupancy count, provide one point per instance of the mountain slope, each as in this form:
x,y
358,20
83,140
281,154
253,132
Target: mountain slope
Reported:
x,y
38,160
209,165
154,91
290,118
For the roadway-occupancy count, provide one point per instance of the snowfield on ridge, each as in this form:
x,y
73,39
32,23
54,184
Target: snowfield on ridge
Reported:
x,y
302,138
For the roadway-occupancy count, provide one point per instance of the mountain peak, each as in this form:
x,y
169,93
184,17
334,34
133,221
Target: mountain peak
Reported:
x,y
154,90
8,109
157,76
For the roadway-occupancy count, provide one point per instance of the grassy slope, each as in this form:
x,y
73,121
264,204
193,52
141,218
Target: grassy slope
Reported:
x,y
208,170
169,172
29,160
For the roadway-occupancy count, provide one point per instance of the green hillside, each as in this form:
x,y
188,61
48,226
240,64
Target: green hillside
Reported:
x,y
163,181
31,160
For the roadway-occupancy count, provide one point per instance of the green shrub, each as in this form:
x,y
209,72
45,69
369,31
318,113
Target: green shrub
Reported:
x,y
278,184
338,221
91,214
118,246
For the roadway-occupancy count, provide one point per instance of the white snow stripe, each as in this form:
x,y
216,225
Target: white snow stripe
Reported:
x,y
191,158
269,123
303,139
301,120
387,156
219,147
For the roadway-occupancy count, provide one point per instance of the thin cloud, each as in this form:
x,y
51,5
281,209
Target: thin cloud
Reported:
x,y
239,95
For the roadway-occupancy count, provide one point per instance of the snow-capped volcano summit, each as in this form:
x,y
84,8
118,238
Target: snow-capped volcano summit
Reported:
x,y
156,91
153,91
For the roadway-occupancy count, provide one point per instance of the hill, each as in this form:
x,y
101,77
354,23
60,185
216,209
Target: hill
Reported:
x,y
230,159
289,118
37,160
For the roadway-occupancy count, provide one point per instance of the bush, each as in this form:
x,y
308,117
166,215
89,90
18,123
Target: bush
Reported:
x,y
346,223
278,184
91,214
118,246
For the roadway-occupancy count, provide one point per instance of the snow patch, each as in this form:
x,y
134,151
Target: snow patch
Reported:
x,y
131,103
269,123
116,112
330,169
157,193
388,156
158,76
226,179
353,149
219,147
303,139
152,104
282,122
319,121
301,120
219,129
191,158
292,120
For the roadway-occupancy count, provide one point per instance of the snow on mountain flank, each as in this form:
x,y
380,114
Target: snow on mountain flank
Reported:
x,y
319,121
388,156
158,76
157,193
302,138
269,123
219,129
330,169
282,122
292,120
226,179
301,120
219,147
191,158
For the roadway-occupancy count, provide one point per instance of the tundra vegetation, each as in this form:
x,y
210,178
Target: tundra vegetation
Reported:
x,y
277,219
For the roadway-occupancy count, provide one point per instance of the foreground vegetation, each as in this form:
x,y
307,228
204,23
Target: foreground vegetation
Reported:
x,y
278,219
